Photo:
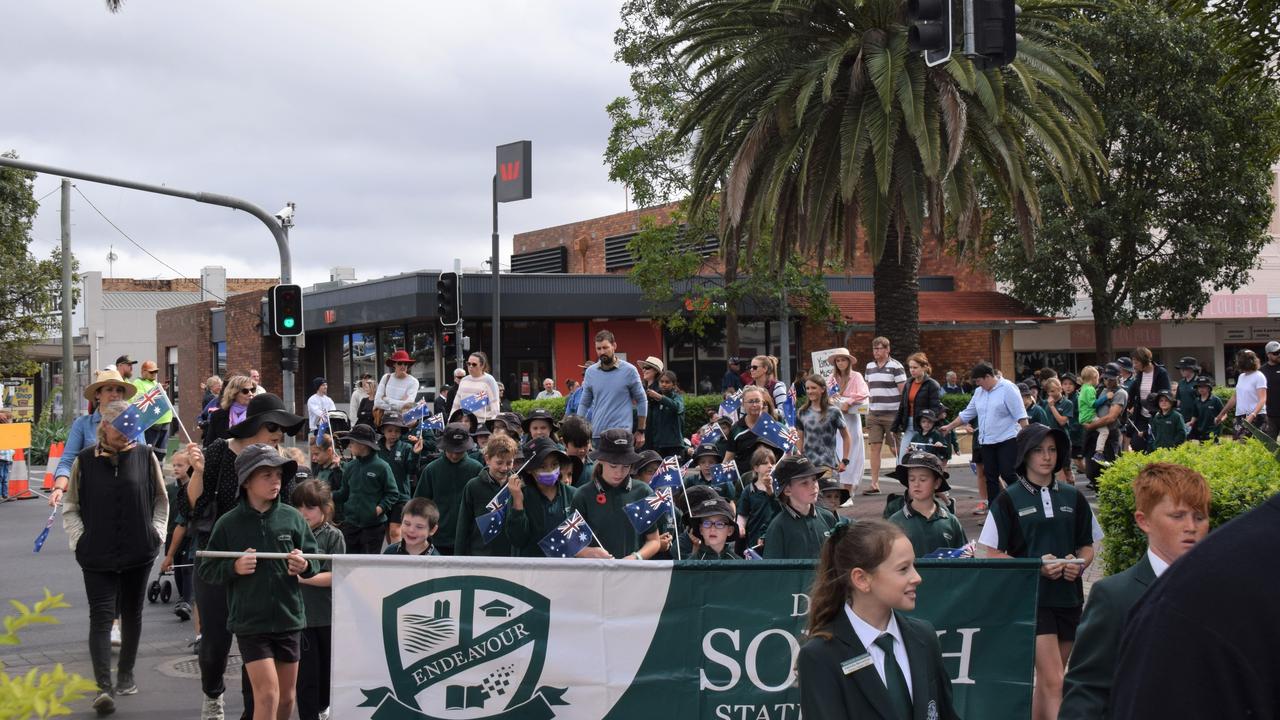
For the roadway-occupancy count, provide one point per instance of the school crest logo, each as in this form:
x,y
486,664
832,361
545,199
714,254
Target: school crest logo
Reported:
x,y
465,647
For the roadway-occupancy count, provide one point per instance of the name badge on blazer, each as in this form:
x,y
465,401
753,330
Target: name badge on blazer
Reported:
x,y
1027,511
854,664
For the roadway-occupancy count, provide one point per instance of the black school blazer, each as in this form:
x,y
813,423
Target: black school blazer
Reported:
x,y
826,693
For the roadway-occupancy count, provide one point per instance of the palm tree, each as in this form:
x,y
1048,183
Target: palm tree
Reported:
x,y
819,124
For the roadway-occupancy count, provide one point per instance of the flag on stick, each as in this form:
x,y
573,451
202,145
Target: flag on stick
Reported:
x,y
568,538
44,534
644,513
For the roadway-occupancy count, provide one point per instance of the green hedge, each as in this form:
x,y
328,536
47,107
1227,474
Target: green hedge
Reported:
x,y
954,403
697,409
1241,476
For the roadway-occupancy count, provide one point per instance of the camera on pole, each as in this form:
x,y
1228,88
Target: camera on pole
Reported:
x,y
929,29
448,299
995,31
285,309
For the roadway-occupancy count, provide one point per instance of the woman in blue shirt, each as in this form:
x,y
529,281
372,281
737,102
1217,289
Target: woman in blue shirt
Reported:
x,y
107,386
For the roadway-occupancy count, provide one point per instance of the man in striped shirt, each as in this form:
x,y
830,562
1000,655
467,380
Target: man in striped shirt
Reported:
x,y
885,377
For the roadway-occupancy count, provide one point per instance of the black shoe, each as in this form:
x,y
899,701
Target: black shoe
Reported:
x,y
182,610
104,704
126,686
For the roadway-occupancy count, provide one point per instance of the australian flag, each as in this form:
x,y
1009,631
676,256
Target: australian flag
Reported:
x,y
129,423
644,513
416,413
44,534
568,538
726,474
833,390
789,406
321,431
952,553
709,433
152,405
667,475
435,422
777,485
751,554
491,522
775,433
475,403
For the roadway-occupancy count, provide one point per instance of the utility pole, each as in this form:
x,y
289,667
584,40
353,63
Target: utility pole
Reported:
x,y
70,405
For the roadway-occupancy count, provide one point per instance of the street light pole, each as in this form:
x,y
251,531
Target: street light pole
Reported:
x,y
282,240
69,405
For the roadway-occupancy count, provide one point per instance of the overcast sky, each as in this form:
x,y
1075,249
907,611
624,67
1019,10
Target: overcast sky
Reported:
x,y
379,119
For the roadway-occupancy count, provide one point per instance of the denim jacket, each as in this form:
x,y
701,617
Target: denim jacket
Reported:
x,y
84,434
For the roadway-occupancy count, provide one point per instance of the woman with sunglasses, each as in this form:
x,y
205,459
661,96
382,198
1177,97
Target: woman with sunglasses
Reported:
x,y
477,380
764,374
236,394
107,386
214,491
397,390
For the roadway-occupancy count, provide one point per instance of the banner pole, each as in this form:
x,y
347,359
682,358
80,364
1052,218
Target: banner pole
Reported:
x,y
675,528
181,427
235,554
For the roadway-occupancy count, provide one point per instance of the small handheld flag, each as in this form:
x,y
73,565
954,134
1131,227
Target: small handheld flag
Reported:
x,y
321,431
152,405
776,484
952,553
492,522
751,554
416,413
44,534
667,475
129,423
435,422
709,433
775,433
726,474
644,513
475,403
568,538
731,404
789,406
833,390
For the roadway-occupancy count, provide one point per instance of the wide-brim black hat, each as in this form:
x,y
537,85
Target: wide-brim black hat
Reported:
x,y
265,408
1031,436
926,460
540,449
364,435
647,458
715,506
263,455
829,483
796,467
707,450
540,414
616,447
456,439
1188,362
392,418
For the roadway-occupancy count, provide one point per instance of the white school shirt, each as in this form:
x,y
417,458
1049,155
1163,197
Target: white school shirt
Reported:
x,y
868,635
1247,386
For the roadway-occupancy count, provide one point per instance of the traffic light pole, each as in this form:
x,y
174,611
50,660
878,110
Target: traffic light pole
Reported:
x,y
282,240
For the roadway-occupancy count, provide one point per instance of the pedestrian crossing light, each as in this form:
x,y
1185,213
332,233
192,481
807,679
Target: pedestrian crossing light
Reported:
x,y
995,32
286,310
929,29
448,299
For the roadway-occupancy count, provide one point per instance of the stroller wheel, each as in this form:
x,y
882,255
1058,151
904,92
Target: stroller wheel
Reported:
x,y
153,591
166,591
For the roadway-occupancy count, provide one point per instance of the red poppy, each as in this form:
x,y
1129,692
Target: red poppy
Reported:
x,y
600,499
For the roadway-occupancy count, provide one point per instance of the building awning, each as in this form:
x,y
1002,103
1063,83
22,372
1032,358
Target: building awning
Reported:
x,y
944,310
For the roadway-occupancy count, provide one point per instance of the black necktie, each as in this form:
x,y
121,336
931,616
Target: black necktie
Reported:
x,y
894,681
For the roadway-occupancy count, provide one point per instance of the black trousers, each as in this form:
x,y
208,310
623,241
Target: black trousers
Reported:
x,y
364,541
215,642
110,594
1092,469
998,461
313,672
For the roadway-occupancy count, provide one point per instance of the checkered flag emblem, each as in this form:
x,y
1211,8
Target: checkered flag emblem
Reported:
x,y
497,683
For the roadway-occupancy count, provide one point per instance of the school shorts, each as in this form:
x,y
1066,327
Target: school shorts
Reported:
x,y
1058,621
395,513
281,647
879,425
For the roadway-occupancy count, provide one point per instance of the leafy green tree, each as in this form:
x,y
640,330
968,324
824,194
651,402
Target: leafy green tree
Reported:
x,y
815,120
1247,31
1185,206
29,287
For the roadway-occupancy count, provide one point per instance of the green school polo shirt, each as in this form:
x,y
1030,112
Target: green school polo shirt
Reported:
x,y
402,460
758,507
1188,398
792,536
1207,416
604,509
1037,414
475,499
1168,430
1029,521
526,528
706,553
941,530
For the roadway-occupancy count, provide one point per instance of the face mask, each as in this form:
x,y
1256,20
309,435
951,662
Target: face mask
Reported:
x,y
547,478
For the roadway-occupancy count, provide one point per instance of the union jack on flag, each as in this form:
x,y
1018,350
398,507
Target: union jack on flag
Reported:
x,y
491,523
416,413
475,403
644,513
667,475
568,538
151,406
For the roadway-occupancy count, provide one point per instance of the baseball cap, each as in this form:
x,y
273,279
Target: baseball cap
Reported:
x,y
1273,347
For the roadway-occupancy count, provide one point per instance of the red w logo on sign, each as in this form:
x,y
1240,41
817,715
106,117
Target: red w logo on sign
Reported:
x,y
509,171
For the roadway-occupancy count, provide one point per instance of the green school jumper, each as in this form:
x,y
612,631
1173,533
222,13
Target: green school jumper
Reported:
x,y
442,482
1168,430
941,530
1188,398
758,507
526,528
1024,528
706,553
792,536
475,497
367,483
604,509
403,460
1037,414
1207,417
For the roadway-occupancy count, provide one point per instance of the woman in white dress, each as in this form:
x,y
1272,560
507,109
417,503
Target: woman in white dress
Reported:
x,y
850,396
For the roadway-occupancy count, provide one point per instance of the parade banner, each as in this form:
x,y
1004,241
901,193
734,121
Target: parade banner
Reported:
x,y
450,638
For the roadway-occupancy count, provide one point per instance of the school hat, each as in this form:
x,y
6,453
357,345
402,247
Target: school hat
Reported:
x,y
1064,377
266,408
364,435
929,414
539,450
540,414
1031,436
1192,364
126,360
262,455
481,431
926,460
647,458
654,363
509,419
399,356
615,447
687,498
1165,393
707,450
1125,363
391,417
1204,380
455,438
795,467
460,413
1025,389
1111,370
715,507
830,483
102,379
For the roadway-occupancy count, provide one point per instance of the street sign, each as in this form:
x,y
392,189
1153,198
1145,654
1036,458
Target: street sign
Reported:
x,y
515,171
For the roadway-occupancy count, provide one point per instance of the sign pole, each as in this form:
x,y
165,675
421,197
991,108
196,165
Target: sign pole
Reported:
x,y
495,352
512,180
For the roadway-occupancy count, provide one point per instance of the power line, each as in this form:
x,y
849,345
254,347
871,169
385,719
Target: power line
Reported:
x,y
42,197
136,244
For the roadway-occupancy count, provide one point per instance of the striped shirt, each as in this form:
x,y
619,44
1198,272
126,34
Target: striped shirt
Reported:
x,y
883,381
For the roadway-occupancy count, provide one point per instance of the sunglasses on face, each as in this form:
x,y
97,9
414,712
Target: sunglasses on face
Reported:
x,y
756,367
248,390
473,363
717,524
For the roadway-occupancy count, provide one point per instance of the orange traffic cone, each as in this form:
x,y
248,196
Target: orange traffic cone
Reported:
x,y
55,455
20,477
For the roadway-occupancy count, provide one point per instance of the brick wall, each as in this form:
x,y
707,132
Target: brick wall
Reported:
x,y
247,348
956,350
186,328
234,285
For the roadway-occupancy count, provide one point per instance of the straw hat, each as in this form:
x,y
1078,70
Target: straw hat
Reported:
x,y
103,378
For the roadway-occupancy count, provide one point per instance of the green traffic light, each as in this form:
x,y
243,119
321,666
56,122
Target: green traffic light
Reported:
x,y
289,322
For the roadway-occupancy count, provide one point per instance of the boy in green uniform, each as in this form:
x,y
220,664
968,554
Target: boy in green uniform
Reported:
x,y
499,458
1168,429
930,438
481,439
603,503
1040,517
927,523
1204,424
800,527
403,458
540,424
705,458
368,490
1188,369
713,524
1035,411
758,505
264,605
421,520
444,478
576,433
326,467
539,497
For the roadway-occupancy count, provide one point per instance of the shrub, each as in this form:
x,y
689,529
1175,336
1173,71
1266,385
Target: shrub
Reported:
x,y
954,403
1241,476
37,693
44,433
555,405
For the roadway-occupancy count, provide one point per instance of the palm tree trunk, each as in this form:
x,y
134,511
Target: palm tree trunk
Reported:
x,y
730,277
896,282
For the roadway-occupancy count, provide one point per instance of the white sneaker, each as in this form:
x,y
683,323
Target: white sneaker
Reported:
x,y
847,503
212,708
324,714
115,635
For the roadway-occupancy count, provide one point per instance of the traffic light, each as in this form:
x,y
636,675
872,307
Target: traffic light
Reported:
x,y
448,299
447,346
995,32
929,29
285,309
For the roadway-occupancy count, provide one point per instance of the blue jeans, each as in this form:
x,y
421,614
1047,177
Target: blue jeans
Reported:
x,y
157,437
5,465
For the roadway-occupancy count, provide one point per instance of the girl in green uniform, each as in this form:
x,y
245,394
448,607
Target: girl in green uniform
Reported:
x,y
604,500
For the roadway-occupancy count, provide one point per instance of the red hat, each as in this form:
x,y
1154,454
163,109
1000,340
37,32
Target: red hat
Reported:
x,y
400,356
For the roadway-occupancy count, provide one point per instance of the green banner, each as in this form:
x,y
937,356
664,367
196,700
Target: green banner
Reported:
x,y
729,632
